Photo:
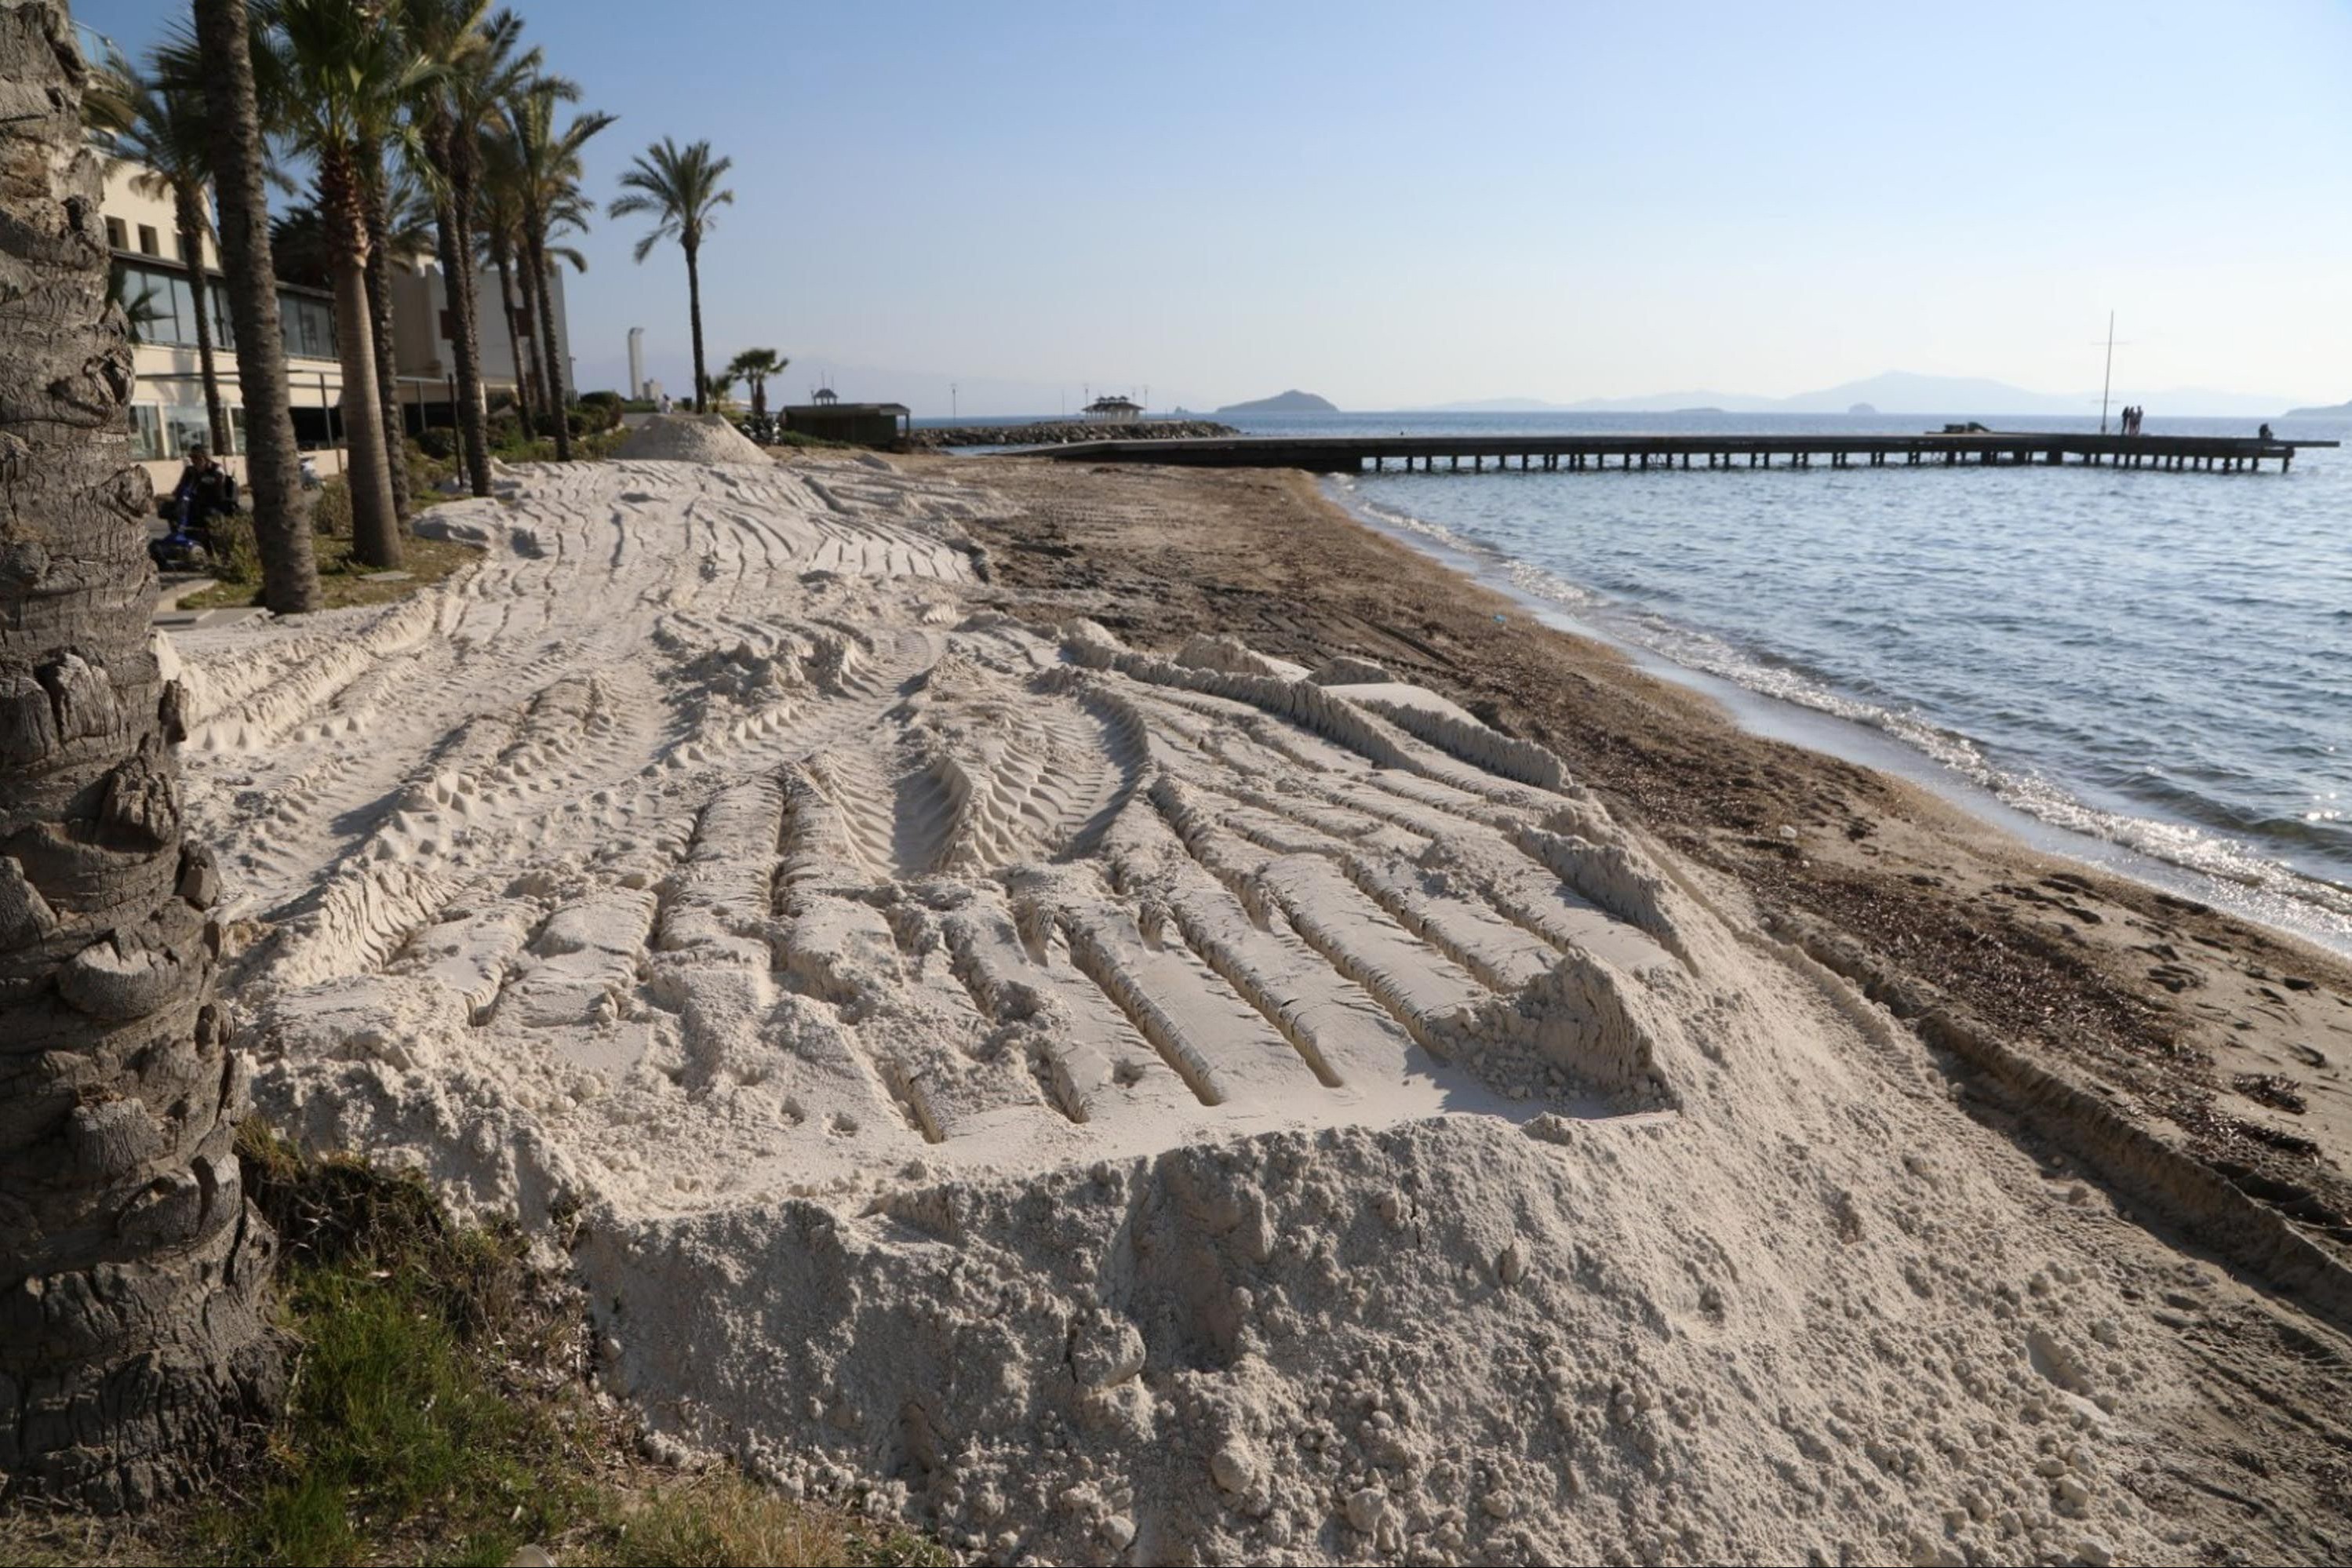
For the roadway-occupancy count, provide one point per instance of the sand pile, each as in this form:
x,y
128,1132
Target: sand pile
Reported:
x,y
691,438
1104,1104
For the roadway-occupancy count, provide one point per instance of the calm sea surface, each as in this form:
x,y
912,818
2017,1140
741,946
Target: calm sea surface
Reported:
x,y
2160,661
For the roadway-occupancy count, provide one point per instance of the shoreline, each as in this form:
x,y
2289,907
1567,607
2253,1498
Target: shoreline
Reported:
x,y
2306,917
2195,1027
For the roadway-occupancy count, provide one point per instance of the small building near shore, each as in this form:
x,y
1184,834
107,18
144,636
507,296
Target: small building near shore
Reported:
x,y
1114,411
827,418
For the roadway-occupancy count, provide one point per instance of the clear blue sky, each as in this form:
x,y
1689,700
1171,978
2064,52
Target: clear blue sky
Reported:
x,y
1396,205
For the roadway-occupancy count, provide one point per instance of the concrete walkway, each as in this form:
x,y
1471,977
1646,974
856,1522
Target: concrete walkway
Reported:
x,y
177,587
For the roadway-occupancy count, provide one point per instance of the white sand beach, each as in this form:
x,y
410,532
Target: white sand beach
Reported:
x,y
1117,1098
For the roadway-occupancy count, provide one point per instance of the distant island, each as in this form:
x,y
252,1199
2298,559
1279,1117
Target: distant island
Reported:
x,y
1292,401
1861,408
2332,411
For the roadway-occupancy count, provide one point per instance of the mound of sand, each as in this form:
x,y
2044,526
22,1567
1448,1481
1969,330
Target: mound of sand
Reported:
x,y
691,438
1109,1106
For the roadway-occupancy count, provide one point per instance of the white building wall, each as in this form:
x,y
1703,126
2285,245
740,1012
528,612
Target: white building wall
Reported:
x,y
167,404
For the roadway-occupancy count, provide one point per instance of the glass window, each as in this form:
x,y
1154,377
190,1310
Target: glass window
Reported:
x,y
146,433
183,309
148,244
117,236
223,333
236,429
184,427
307,325
158,304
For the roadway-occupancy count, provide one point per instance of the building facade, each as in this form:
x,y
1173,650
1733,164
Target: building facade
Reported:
x,y
167,405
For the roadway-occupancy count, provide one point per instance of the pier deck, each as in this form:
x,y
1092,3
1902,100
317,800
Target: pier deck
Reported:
x,y
1456,454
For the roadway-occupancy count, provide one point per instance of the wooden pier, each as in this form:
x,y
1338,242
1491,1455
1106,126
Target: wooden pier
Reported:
x,y
1586,454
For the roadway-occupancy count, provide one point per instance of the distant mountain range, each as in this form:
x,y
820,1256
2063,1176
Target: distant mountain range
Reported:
x,y
1291,402
2332,411
1900,392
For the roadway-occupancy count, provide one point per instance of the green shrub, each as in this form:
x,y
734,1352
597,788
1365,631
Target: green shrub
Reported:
x,y
604,407
429,470
331,508
236,555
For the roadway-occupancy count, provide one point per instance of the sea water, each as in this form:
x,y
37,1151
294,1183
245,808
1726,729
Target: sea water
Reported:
x,y
2159,661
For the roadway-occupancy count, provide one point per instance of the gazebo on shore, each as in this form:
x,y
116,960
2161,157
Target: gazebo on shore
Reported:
x,y
1114,411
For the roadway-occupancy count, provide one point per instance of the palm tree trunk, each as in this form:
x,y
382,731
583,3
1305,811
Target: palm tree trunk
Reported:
x,y
526,290
558,404
505,265
387,364
136,1351
273,477
694,310
189,219
456,239
527,301
473,435
376,526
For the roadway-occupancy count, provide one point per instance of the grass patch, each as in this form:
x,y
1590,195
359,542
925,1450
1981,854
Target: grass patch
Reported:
x,y
439,1414
343,580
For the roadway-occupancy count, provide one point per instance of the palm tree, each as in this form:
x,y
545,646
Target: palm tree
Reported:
x,y
546,169
753,367
499,222
484,66
139,1350
220,56
499,230
400,225
298,243
375,185
678,186
339,77
162,131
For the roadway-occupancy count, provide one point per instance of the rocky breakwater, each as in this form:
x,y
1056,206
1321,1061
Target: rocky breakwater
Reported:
x,y
1063,432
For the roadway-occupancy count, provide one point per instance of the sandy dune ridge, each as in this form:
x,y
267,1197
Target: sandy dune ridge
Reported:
x,y
1117,1103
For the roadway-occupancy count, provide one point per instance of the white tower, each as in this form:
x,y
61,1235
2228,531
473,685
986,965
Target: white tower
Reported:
x,y
636,361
